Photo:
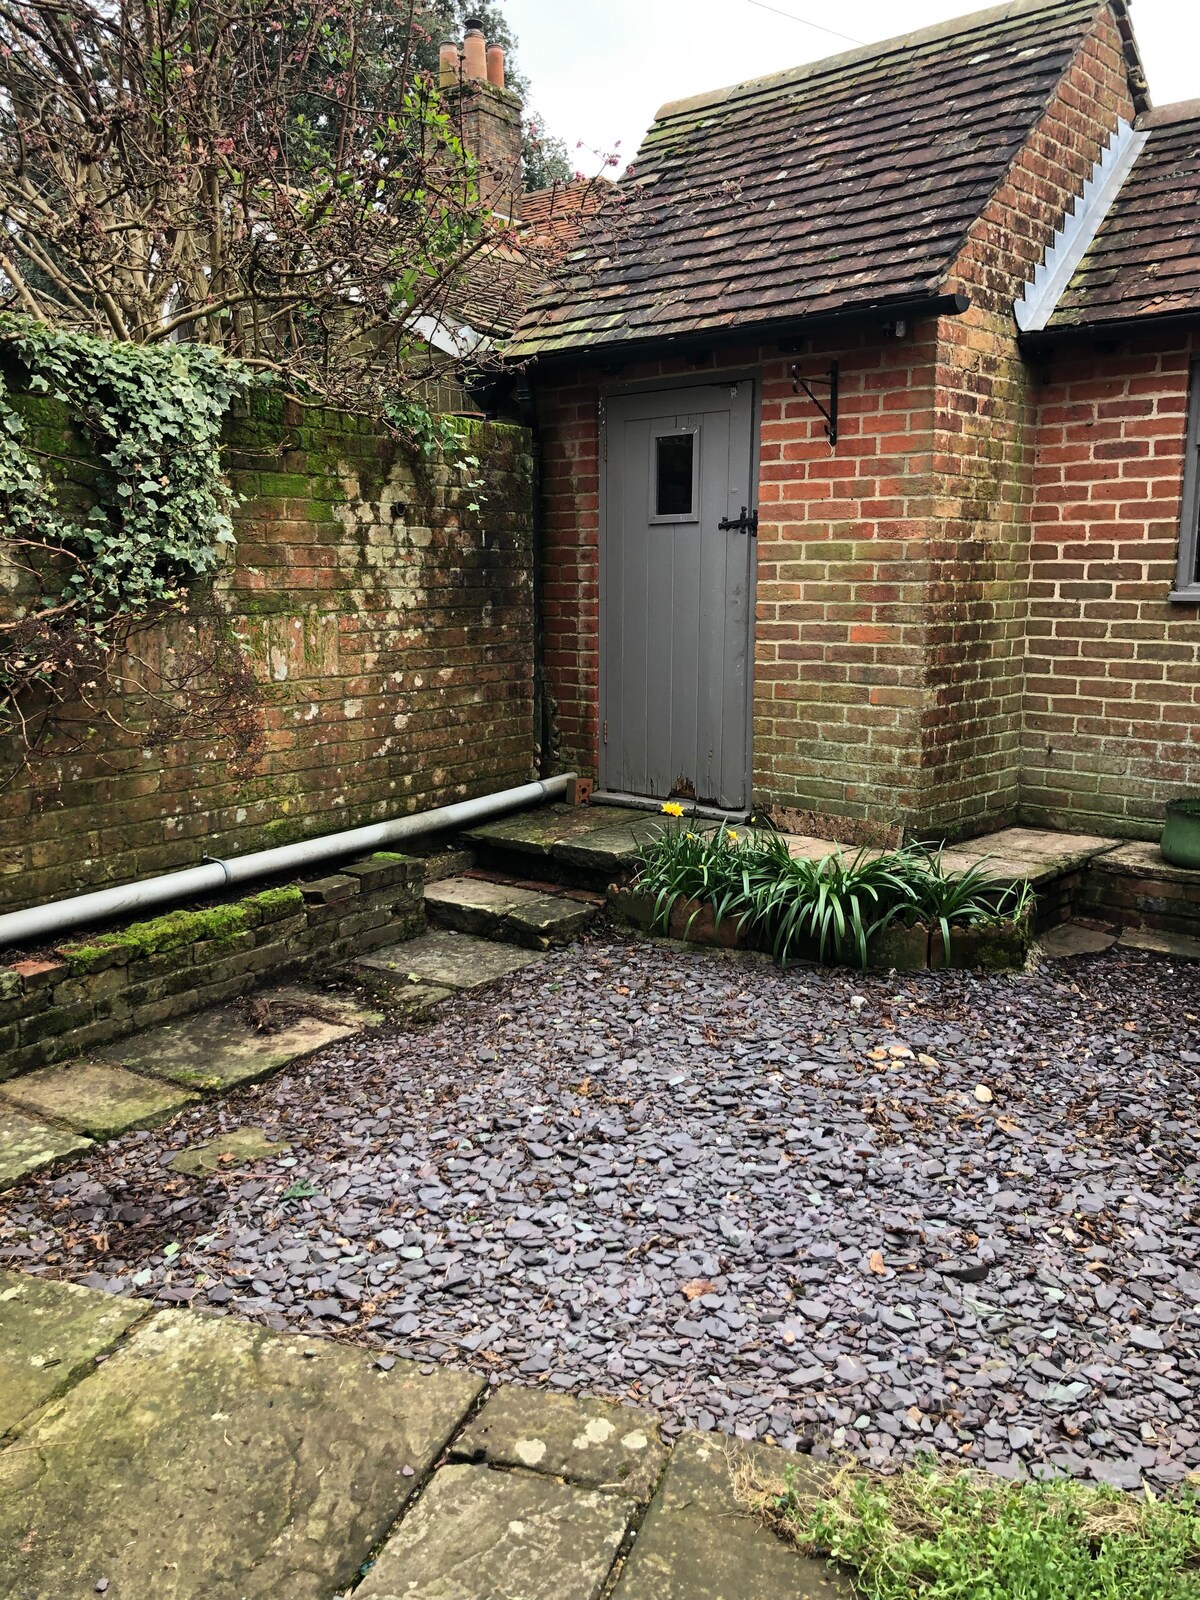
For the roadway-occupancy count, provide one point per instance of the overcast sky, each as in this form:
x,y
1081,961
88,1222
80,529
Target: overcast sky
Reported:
x,y
601,68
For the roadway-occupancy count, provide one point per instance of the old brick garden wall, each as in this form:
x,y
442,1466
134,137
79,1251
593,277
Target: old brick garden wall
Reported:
x,y
389,630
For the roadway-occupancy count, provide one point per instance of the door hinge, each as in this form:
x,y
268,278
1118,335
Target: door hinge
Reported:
x,y
746,523
605,732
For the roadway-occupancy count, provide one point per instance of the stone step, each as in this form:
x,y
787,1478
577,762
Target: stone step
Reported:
x,y
585,846
421,973
505,912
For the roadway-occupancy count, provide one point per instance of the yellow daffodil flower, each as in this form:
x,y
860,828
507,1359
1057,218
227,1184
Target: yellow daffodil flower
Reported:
x,y
671,809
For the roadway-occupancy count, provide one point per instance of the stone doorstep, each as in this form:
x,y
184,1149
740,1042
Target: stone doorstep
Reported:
x,y
499,911
601,840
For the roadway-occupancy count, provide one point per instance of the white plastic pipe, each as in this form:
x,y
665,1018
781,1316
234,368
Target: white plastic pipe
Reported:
x,y
19,927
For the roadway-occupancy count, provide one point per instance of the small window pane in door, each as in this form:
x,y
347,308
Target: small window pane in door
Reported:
x,y
675,475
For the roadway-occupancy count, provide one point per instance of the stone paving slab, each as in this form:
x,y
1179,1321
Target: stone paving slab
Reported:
x,y
27,1145
587,1441
538,833
599,840
237,1147
1142,858
96,1098
50,1334
483,1535
699,1542
452,961
219,1049
503,911
213,1460
1180,945
1073,939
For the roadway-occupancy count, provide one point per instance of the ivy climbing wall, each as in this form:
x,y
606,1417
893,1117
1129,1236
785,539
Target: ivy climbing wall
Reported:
x,y
369,653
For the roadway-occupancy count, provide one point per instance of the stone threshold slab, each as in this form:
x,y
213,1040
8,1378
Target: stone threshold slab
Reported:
x,y
213,1460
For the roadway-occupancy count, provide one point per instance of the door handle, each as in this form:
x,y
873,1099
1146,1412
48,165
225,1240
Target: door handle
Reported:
x,y
746,523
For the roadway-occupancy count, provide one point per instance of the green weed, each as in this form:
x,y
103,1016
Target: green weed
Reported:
x,y
928,1534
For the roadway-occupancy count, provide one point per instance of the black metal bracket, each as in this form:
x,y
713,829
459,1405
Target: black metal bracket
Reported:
x,y
829,412
746,523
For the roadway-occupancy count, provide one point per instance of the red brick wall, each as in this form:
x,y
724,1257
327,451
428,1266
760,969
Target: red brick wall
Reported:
x,y
1112,685
840,569
979,543
390,631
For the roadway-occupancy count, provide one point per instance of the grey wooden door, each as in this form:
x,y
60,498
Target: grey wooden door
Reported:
x,y
676,594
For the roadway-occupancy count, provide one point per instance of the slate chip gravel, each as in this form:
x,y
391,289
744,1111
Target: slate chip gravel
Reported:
x,y
765,1203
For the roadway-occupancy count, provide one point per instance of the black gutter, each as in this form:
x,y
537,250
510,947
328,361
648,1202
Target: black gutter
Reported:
x,y
542,721
1109,329
797,327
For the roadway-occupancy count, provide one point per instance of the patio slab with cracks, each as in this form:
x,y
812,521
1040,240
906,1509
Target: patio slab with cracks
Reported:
x,y
195,1457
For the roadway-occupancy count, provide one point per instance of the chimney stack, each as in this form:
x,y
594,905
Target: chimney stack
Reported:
x,y
489,114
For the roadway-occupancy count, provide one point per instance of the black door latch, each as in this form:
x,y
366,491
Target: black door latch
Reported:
x,y
746,523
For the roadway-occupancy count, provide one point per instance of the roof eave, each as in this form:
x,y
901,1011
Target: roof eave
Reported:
x,y
1109,328
912,307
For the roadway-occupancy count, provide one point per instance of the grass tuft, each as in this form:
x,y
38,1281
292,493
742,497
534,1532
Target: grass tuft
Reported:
x,y
931,1534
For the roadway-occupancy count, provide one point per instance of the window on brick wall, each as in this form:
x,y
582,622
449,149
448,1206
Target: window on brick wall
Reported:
x,y
1187,582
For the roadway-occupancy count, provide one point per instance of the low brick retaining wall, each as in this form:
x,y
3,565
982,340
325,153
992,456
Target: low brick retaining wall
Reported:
x,y
1136,887
92,990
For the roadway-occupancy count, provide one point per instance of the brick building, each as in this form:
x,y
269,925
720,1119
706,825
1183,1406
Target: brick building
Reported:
x,y
931,310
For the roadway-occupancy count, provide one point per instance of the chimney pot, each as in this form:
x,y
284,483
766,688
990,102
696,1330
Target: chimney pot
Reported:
x,y
495,65
474,52
448,64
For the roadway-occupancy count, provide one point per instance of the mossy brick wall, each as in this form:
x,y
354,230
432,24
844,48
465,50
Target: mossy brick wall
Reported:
x,y
90,991
1112,684
390,632
980,540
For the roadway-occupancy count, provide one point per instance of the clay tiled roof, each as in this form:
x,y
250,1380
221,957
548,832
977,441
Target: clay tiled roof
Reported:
x,y
841,185
557,213
1145,258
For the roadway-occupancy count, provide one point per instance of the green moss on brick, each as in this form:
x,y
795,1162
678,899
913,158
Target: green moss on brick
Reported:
x,y
170,932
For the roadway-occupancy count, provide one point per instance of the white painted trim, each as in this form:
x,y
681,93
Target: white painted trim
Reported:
x,y
461,341
1073,240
